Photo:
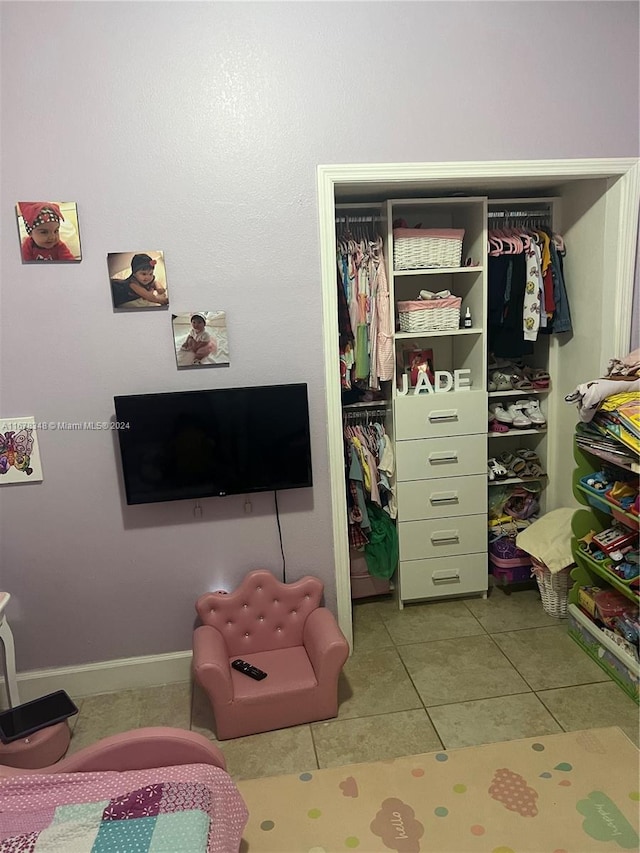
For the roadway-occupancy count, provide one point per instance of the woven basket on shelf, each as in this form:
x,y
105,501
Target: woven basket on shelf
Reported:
x,y
554,588
424,248
430,315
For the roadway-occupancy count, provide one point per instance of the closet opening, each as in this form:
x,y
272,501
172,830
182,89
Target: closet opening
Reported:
x,y
593,204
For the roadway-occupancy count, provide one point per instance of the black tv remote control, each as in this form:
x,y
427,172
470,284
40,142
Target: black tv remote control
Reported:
x,y
247,669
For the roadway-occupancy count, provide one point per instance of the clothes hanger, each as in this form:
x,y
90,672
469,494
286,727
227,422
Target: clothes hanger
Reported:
x,y
495,244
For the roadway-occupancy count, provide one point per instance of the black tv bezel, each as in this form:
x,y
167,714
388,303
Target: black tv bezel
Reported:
x,y
197,494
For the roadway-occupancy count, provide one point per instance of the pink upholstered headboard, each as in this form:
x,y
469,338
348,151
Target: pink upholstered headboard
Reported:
x,y
262,614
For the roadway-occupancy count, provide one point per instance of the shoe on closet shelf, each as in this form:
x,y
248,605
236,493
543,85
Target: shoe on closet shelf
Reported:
x,y
500,381
496,470
496,426
538,377
518,418
533,467
514,464
501,414
429,294
531,409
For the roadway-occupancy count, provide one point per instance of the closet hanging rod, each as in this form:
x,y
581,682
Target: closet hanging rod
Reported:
x,y
519,214
363,416
352,219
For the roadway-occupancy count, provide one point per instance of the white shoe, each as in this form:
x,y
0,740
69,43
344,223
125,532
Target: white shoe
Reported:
x,y
501,414
531,409
518,418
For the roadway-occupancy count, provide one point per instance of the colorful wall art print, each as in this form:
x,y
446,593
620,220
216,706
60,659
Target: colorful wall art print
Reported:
x,y
200,338
48,231
19,456
138,280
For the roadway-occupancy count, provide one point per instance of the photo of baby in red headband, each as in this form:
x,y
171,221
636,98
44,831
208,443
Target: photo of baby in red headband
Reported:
x,y
48,231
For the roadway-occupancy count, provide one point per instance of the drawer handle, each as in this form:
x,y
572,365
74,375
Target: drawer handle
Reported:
x,y
444,537
444,498
446,577
442,456
444,415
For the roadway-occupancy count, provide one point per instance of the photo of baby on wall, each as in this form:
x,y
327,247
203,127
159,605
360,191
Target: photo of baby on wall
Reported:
x,y
200,338
138,280
48,231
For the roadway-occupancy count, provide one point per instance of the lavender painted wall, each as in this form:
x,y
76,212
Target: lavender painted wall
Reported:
x,y
196,128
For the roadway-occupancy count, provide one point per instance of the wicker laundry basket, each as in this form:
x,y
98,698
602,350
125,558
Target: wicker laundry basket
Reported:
x,y
554,588
430,315
425,248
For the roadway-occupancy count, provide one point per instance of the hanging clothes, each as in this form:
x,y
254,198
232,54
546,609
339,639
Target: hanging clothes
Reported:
x,y
371,502
527,292
365,318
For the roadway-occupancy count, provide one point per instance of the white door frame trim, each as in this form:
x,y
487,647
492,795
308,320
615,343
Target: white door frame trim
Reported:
x,y
627,170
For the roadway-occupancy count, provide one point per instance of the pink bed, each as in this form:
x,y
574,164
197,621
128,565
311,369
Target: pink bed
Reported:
x,y
150,790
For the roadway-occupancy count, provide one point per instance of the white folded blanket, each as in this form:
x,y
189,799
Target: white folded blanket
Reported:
x,y
548,539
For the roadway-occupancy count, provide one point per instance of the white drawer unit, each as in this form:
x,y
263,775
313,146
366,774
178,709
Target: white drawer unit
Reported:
x,y
418,499
442,577
440,437
440,414
454,456
442,537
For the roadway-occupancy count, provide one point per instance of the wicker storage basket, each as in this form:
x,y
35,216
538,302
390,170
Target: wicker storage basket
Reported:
x,y
430,315
423,248
554,589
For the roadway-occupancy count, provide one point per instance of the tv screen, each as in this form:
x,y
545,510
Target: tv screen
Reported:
x,y
228,441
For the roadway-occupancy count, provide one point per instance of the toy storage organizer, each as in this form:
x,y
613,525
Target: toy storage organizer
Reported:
x,y
597,516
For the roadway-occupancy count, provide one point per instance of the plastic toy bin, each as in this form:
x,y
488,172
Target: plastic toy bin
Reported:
x,y
595,497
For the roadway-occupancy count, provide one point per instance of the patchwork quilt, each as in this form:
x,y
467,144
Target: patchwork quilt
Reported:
x,y
187,809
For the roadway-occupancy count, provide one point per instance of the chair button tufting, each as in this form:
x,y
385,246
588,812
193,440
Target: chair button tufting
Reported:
x,y
246,634
245,606
275,601
259,588
307,597
261,618
229,623
279,629
293,612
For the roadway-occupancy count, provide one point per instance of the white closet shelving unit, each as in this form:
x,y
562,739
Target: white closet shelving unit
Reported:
x,y
441,437
597,202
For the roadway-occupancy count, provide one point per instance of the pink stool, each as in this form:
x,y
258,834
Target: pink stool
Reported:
x,y
44,747
40,749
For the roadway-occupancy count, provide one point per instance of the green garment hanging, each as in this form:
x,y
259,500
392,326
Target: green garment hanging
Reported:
x,y
381,552
362,351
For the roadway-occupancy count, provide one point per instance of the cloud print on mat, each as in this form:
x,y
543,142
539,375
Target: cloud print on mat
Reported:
x,y
349,787
512,791
396,825
605,822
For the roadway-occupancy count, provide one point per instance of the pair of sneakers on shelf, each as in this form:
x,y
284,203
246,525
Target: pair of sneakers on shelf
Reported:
x,y
522,414
429,294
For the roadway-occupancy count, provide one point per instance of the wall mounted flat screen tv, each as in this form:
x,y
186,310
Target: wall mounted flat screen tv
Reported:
x,y
228,441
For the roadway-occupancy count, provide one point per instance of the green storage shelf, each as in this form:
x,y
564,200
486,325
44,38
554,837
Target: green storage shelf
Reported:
x,y
619,666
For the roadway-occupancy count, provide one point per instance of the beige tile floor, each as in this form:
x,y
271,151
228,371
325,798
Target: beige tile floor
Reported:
x,y
432,676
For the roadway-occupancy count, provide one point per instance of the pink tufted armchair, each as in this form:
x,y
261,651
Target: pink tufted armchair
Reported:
x,y
281,629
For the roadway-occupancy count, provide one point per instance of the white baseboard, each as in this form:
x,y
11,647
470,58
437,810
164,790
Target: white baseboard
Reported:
x,y
105,676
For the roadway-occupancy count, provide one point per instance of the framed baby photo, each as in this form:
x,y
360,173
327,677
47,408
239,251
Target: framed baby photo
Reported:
x,y
48,231
200,338
415,361
138,280
19,455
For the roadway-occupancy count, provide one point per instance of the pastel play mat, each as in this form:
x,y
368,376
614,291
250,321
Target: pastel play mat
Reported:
x,y
566,793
